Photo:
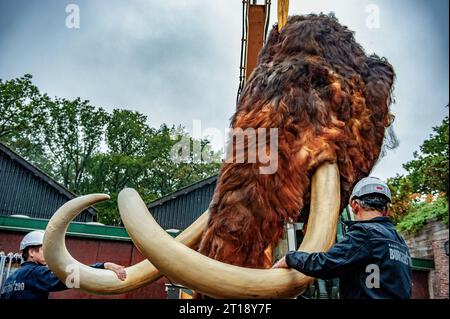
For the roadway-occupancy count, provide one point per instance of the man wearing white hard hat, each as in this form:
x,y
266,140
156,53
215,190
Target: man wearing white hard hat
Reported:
x,y
34,280
372,261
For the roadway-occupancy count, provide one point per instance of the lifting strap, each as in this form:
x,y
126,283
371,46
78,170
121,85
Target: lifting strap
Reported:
x,y
283,10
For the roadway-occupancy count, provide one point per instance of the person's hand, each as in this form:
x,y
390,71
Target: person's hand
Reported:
x,y
281,263
118,269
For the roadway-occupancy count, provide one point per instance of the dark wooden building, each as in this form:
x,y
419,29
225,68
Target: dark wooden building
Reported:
x,y
29,198
27,190
180,209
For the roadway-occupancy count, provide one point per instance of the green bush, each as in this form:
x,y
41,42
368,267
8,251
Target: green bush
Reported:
x,y
421,213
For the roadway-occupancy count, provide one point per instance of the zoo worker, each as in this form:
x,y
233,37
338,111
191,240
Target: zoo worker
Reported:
x,y
34,280
372,260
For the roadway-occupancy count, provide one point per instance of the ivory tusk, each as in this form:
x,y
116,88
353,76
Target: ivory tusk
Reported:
x,y
220,280
100,281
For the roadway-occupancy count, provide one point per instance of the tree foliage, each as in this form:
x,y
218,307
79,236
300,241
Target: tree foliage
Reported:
x,y
422,213
89,150
72,133
22,114
403,196
21,106
420,194
428,172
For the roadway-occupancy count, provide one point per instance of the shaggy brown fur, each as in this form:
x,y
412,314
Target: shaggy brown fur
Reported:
x,y
329,102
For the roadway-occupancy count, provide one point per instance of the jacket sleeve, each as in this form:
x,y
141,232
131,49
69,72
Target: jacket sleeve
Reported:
x,y
46,280
98,265
354,249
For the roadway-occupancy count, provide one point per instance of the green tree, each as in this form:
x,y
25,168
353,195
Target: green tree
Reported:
x,y
72,135
140,157
166,175
21,106
123,164
90,151
403,196
22,114
421,213
428,171
127,133
422,194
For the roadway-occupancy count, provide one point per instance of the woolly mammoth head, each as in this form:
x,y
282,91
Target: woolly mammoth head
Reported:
x,y
328,98
328,102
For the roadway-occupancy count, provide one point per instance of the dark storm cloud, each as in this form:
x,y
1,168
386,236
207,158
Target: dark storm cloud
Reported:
x,y
164,59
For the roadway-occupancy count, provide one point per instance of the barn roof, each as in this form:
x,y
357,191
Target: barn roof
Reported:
x,y
27,190
179,209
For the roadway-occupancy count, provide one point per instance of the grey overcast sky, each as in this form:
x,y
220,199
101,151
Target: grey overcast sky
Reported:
x,y
177,60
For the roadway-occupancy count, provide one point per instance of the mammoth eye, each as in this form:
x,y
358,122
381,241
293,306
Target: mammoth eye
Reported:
x,y
319,77
318,81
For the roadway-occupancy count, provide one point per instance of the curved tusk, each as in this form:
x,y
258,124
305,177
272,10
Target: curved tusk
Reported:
x,y
100,281
220,280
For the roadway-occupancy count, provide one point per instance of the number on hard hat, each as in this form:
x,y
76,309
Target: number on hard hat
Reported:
x,y
34,238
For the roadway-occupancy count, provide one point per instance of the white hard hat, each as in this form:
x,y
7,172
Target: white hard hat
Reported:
x,y
34,238
371,185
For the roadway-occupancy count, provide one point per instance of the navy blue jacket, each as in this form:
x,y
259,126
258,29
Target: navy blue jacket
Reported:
x,y
33,281
371,261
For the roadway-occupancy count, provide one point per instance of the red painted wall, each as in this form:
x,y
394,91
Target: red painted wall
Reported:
x,y
90,251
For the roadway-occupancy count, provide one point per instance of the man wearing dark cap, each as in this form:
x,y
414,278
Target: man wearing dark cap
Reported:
x,y
372,260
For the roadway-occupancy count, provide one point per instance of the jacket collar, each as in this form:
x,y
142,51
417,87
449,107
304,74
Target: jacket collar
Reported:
x,y
373,220
30,263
